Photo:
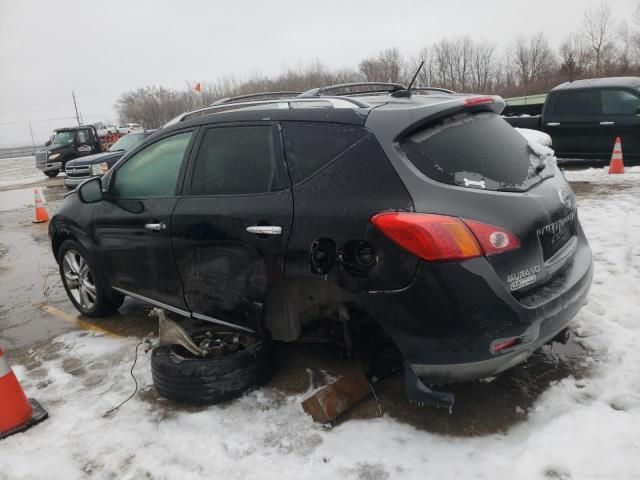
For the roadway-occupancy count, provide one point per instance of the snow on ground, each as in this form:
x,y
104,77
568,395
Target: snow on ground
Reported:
x,y
19,171
578,429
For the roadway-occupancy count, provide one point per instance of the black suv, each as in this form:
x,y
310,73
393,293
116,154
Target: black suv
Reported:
x,y
423,212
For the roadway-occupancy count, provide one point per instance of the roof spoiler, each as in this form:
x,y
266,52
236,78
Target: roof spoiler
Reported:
x,y
355,88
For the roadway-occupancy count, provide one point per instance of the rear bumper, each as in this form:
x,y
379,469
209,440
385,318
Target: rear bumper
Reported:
x,y
452,313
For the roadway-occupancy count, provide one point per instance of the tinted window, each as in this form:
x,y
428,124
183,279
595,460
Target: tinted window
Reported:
x,y
153,171
619,102
477,151
83,136
576,103
311,146
237,160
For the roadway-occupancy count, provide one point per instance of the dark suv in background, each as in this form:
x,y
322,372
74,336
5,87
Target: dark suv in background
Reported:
x,y
422,212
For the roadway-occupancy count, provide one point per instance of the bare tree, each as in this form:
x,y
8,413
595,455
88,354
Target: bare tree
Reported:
x,y
533,60
575,55
150,106
387,66
482,67
597,28
624,53
453,59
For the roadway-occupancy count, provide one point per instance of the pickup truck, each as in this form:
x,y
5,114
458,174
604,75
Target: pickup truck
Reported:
x,y
584,117
67,144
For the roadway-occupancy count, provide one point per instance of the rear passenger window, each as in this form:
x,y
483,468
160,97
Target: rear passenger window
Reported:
x,y
311,146
238,160
619,102
573,104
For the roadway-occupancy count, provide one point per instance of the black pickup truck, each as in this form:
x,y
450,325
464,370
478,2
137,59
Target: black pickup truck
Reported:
x,y
67,144
584,118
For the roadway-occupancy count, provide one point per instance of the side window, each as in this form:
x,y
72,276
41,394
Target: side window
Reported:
x,y
83,136
575,104
153,171
311,146
619,102
238,160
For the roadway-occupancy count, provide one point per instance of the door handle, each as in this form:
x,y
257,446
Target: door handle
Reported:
x,y
265,229
607,123
156,227
553,124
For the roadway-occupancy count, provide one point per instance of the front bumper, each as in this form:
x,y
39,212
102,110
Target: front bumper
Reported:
x,y
73,182
445,322
46,167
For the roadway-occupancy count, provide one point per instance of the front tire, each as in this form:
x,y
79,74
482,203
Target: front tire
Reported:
x,y
83,283
52,173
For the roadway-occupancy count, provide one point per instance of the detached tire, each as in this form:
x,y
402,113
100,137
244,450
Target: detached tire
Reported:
x,y
182,377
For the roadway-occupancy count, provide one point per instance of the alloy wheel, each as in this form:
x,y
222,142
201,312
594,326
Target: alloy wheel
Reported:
x,y
79,280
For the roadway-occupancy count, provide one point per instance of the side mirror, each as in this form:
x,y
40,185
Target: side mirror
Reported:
x,y
91,191
47,143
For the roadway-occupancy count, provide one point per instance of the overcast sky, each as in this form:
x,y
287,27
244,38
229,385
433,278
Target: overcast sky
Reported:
x,y
100,48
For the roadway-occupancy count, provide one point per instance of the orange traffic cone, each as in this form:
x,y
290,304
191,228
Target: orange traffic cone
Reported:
x,y
617,164
16,412
41,211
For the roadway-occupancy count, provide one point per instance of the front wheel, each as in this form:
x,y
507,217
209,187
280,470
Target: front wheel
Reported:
x,y
52,173
235,363
82,282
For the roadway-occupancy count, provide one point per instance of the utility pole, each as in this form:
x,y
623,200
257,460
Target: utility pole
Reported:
x,y
31,132
75,105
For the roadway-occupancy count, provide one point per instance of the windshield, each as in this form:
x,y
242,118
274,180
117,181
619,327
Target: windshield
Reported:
x,y
127,142
63,138
478,151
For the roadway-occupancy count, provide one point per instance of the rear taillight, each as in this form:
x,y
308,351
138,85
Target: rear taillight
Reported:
x,y
440,237
492,239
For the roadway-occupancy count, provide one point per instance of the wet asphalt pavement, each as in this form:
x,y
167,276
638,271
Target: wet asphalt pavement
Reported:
x,y
30,284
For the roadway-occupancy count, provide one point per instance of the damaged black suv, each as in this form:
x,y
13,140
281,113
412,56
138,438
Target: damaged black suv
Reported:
x,y
422,211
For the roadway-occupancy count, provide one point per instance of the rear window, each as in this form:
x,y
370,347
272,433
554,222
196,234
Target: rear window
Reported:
x,y
619,102
311,146
478,151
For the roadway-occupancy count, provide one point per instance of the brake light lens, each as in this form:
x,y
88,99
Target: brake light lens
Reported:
x,y
478,100
441,238
430,237
492,239
506,344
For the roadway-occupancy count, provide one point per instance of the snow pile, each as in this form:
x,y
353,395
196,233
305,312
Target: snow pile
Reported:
x,y
535,136
578,429
602,174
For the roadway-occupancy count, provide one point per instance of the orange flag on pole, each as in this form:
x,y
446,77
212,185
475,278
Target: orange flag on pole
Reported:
x,y
197,87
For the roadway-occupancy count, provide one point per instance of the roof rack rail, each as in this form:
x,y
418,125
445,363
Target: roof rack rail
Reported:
x,y
334,102
255,96
373,87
